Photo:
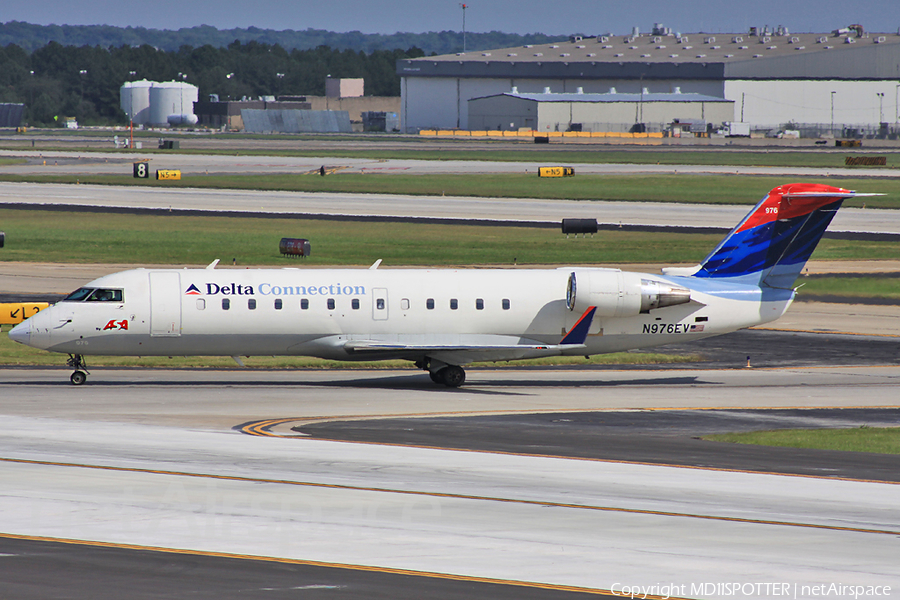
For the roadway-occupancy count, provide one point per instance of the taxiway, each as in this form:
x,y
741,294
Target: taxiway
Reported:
x,y
156,460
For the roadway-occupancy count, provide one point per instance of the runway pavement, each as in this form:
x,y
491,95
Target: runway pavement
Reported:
x,y
525,211
141,460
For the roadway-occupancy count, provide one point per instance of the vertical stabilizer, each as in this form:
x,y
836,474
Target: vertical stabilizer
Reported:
x,y
772,244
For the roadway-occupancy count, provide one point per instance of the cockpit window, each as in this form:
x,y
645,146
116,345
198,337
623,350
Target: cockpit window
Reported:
x,y
78,295
95,295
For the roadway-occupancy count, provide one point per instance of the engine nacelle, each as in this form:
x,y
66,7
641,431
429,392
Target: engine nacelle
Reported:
x,y
620,294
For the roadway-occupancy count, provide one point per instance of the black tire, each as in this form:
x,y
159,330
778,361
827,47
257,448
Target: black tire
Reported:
x,y
78,378
452,376
435,377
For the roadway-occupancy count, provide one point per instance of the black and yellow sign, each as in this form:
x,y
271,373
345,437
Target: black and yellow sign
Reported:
x,y
556,172
865,161
168,174
16,312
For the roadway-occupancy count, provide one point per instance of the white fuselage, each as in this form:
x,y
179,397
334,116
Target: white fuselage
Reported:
x,y
456,316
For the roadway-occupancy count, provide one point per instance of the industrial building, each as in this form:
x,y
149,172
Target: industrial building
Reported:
x,y
341,110
593,112
843,81
217,113
11,114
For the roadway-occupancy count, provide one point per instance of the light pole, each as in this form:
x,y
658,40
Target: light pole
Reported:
x,y
182,77
464,7
880,107
896,105
832,113
131,74
31,94
82,72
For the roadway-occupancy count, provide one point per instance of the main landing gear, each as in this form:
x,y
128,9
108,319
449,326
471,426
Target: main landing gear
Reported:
x,y
441,373
76,361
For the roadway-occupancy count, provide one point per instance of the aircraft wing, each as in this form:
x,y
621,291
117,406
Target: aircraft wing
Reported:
x,y
377,346
493,345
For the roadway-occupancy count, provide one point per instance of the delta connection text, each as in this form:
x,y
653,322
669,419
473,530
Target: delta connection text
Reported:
x,y
750,590
268,289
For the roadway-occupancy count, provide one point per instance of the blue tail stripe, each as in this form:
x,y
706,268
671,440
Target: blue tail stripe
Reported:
x,y
758,250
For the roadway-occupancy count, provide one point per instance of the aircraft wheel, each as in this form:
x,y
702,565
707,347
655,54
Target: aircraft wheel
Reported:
x,y
78,377
452,376
435,377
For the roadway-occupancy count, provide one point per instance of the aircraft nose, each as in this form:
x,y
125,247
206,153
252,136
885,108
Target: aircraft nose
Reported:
x,y
21,333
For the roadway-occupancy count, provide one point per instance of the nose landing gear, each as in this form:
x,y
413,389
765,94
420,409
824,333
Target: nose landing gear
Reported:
x,y
76,361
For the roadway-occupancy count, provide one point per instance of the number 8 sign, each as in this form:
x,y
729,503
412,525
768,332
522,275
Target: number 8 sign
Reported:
x,y
141,170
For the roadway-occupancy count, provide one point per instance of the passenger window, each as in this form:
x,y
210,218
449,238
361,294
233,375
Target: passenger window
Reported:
x,y
304,304
355,303
331,304
429,304
201,304
251,303
479,304
404,304
226,303
277,303
505,304
453,304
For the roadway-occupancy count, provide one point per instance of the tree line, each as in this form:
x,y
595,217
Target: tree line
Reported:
x,y
30,37
83,82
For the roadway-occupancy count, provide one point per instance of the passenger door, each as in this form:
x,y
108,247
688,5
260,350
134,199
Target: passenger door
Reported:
x,y
165,304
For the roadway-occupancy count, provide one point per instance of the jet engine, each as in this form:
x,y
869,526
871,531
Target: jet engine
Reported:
x,y
620,294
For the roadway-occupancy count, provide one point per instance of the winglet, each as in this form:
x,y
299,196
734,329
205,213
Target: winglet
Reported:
x,y
578,334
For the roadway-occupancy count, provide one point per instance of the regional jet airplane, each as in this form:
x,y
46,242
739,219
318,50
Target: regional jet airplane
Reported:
x,y
442,319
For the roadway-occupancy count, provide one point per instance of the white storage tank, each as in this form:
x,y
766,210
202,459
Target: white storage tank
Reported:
x,y
134,98
172,98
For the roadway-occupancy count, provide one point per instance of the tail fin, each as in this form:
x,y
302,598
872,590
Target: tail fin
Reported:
x,y
772,244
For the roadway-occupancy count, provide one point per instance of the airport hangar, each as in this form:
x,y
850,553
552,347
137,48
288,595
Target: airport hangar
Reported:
x,y
824,81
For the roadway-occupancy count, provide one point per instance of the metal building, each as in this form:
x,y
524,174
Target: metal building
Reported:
x,y
594,112
11,114
846,77
295,121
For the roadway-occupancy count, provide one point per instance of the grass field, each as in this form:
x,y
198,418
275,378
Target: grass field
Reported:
x,y
853,287
700,189
79,237
861,439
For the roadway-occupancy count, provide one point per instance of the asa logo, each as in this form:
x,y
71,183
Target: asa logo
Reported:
x,y
117,325
192,291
